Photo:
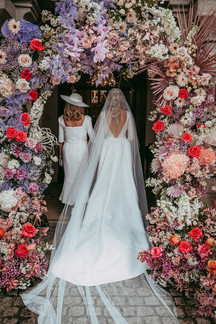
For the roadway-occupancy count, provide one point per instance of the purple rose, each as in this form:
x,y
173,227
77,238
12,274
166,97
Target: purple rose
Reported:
x,y
20,173
33,188
39,147
17,150
25,157
9,173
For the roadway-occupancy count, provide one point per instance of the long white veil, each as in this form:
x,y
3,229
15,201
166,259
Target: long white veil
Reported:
x,y
55,296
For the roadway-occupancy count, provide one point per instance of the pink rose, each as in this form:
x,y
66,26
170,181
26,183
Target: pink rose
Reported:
x,y
25,157
156,252
28,230
203,250
33,188
17,150
18,194
31,142
20,173
9,173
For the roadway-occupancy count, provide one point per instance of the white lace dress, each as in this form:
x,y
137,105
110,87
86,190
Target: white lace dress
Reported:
x,y
74,148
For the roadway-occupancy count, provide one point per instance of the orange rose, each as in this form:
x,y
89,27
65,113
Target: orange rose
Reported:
x,y
210,241
174,239
211,267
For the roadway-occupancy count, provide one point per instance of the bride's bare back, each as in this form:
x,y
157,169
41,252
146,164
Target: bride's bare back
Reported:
x,y
114,127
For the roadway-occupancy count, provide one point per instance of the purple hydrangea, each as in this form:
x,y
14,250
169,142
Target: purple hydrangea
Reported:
x,y
28,31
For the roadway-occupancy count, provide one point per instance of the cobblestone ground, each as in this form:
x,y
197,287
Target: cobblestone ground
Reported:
x,y
130,294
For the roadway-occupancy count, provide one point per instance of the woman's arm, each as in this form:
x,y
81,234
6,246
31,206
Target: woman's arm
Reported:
x,y
60,150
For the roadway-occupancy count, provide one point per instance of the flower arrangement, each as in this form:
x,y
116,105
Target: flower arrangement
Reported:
x,y
26,167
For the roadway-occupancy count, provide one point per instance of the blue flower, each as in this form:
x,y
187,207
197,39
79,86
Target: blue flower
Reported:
x,y
28,31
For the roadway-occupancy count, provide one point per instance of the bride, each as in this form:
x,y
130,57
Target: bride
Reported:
x,y
97,241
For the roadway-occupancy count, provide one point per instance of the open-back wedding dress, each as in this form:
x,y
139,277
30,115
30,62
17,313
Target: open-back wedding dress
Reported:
x,y
97,241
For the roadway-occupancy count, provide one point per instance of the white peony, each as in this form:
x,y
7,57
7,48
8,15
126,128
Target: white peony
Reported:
x,y
47,178
37,160
7,200
171,93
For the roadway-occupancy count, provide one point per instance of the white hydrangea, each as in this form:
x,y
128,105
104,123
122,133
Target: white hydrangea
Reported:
x,y
7,200
44,64
159,51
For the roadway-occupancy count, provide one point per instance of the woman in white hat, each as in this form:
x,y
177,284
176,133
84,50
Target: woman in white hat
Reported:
x,y
74,127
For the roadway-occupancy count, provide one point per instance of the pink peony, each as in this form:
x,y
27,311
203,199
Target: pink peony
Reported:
x,y
203,250
156,252
33,188
31,142
175,164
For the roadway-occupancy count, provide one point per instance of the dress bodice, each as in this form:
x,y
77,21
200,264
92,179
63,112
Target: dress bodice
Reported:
x,y
125,131
77,133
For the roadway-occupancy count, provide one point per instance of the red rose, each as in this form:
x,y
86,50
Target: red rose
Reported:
x,y
195,233
158,126
203,250
22,251
28,230
184,247
186,137
2,232
26,74
32,95
166,110
21,136
36,45
11,133
194,151
183,93
156,252
25,119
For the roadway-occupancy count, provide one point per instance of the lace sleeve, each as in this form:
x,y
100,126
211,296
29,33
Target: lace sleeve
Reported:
x,y
90,130
61,130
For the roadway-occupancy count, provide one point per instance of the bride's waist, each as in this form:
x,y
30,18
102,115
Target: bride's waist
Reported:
x,y
113,140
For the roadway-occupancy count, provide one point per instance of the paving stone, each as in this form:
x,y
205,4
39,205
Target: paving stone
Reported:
x,y
179,312
186,321
191,311
8,301
143,292
168,321
136,320
162,311
175,293
18,302
26,313
80,321
153,320
76,311
145,311
135,301
10,311
97,311
31,320
151,301
129,311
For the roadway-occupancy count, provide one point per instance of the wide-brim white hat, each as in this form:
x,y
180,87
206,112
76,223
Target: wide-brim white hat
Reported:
x,y
74,99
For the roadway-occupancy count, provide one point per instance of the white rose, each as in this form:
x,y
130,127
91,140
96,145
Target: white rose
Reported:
x,y
54,158
37,160
171,93
25,60
22,85
13,164
47,178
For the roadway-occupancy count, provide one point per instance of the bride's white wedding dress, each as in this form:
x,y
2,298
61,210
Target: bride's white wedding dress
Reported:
x,y
112,231
97,241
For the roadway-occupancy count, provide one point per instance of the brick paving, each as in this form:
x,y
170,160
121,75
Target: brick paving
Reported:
x,y
130,294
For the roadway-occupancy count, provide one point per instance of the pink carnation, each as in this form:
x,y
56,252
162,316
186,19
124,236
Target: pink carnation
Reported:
x,y
175,164
156,252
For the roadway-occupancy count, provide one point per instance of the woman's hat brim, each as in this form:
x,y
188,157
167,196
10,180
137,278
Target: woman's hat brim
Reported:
x,y
73,102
